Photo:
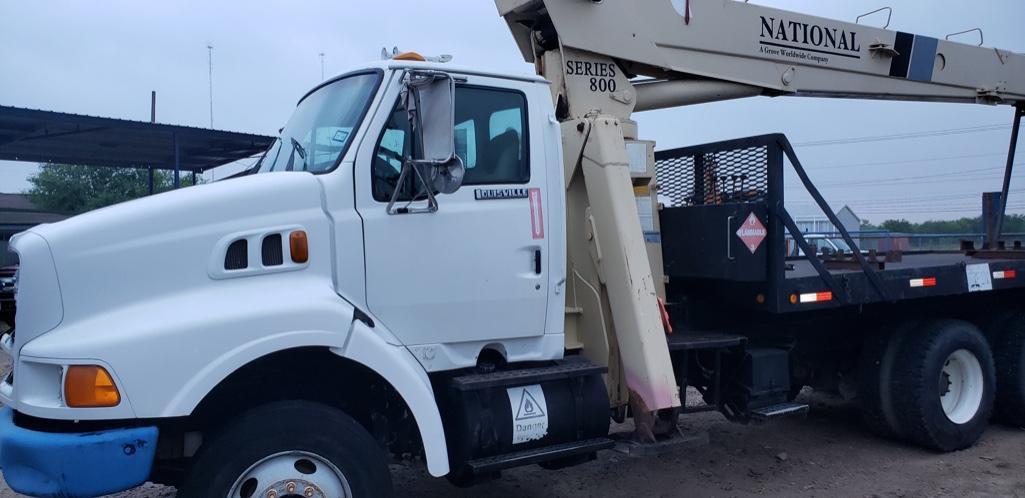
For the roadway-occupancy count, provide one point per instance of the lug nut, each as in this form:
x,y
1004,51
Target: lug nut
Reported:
x,y
290,487
272,494
308,493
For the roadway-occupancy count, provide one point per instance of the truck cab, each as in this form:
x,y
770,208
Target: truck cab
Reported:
x,y
323,280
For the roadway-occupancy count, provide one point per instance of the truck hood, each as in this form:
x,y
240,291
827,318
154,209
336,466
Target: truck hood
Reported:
x,y
162,245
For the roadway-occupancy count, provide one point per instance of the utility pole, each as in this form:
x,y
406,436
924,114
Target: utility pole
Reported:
x,y
210,61
210,66
152,119
322,66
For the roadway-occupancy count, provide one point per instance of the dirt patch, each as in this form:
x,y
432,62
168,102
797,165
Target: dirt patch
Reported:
x,y
828,454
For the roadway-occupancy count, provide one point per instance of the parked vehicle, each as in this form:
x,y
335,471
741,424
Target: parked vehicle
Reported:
x,y
7,304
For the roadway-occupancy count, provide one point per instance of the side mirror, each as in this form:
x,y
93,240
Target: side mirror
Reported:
x,y
429,98
430,102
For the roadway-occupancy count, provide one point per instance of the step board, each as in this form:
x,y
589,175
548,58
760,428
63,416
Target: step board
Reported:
x,y
538,455
779,411
694,340
564,369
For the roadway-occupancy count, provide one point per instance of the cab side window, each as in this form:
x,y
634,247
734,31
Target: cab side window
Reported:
x,y
490,137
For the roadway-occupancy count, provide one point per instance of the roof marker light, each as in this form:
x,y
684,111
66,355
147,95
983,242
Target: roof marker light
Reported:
x,y
409,56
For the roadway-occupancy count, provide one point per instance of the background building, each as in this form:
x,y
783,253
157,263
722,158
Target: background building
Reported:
x,y
18,213
821,224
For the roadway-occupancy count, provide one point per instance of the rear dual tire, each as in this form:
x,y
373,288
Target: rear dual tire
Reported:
x,y
1008,338
875,393
933,384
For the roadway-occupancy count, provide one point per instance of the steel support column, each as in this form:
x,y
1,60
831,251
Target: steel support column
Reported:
x,y
1019,111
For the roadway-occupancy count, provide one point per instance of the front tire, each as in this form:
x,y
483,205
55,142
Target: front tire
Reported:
x,y
944,385
290,448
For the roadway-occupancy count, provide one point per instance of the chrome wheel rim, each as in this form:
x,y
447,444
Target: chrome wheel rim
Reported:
x,y
291,474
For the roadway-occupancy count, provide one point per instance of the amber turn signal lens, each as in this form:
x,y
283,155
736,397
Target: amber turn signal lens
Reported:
x,y
299,246
409,56
90,386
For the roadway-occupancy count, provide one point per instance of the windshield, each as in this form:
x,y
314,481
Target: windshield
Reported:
x,y
841,245
321,127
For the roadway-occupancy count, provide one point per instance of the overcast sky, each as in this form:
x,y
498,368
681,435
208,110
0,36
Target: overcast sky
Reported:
x,y
104,58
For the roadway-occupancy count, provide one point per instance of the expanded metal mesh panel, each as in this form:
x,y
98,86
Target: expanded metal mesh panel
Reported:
x,y
714,177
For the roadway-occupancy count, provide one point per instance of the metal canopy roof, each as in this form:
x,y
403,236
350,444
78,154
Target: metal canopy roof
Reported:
x,y
56,137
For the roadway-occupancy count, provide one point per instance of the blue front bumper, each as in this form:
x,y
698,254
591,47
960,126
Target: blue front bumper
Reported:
x,y
74,464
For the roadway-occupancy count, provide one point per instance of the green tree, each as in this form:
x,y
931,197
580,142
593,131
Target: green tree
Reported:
x,y
73,189
903,226
1013,223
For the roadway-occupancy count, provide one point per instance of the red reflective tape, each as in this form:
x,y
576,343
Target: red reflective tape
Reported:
x,y
923,282
930,282
816,297
537,218
1005,274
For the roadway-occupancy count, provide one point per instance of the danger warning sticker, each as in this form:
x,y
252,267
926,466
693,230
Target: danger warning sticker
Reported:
x,y
752,232
529,413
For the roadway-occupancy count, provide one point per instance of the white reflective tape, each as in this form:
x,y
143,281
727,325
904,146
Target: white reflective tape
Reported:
x,y
816,297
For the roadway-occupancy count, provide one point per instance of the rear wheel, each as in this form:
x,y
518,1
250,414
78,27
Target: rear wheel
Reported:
x,y
291,448
944,385
1009,354
875,379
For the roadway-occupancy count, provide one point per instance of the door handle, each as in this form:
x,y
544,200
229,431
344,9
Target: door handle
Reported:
x,y
537,261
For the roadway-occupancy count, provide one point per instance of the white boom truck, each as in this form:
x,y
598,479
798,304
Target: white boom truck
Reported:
x,y
473,268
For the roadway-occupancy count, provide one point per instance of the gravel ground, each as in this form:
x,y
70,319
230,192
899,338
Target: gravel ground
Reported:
x,y
829,454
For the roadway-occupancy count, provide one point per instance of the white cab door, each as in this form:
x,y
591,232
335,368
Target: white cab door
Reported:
x,y
475,270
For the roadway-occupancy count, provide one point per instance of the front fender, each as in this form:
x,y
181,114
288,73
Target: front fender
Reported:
x,y
167,354
398,366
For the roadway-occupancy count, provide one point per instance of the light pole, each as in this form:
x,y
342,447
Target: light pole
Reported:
x,y
210,62
322,66
210,68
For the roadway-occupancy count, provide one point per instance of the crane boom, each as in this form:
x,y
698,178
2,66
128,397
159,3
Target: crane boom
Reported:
x,y
609,58
773,50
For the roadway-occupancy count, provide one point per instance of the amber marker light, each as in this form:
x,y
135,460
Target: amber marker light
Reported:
x,y
90,386
298,246
409,56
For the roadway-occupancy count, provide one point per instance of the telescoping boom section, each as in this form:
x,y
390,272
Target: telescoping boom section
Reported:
x,y
607,59
775,51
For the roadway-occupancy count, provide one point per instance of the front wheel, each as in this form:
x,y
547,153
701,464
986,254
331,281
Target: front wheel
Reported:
x,y
290,448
